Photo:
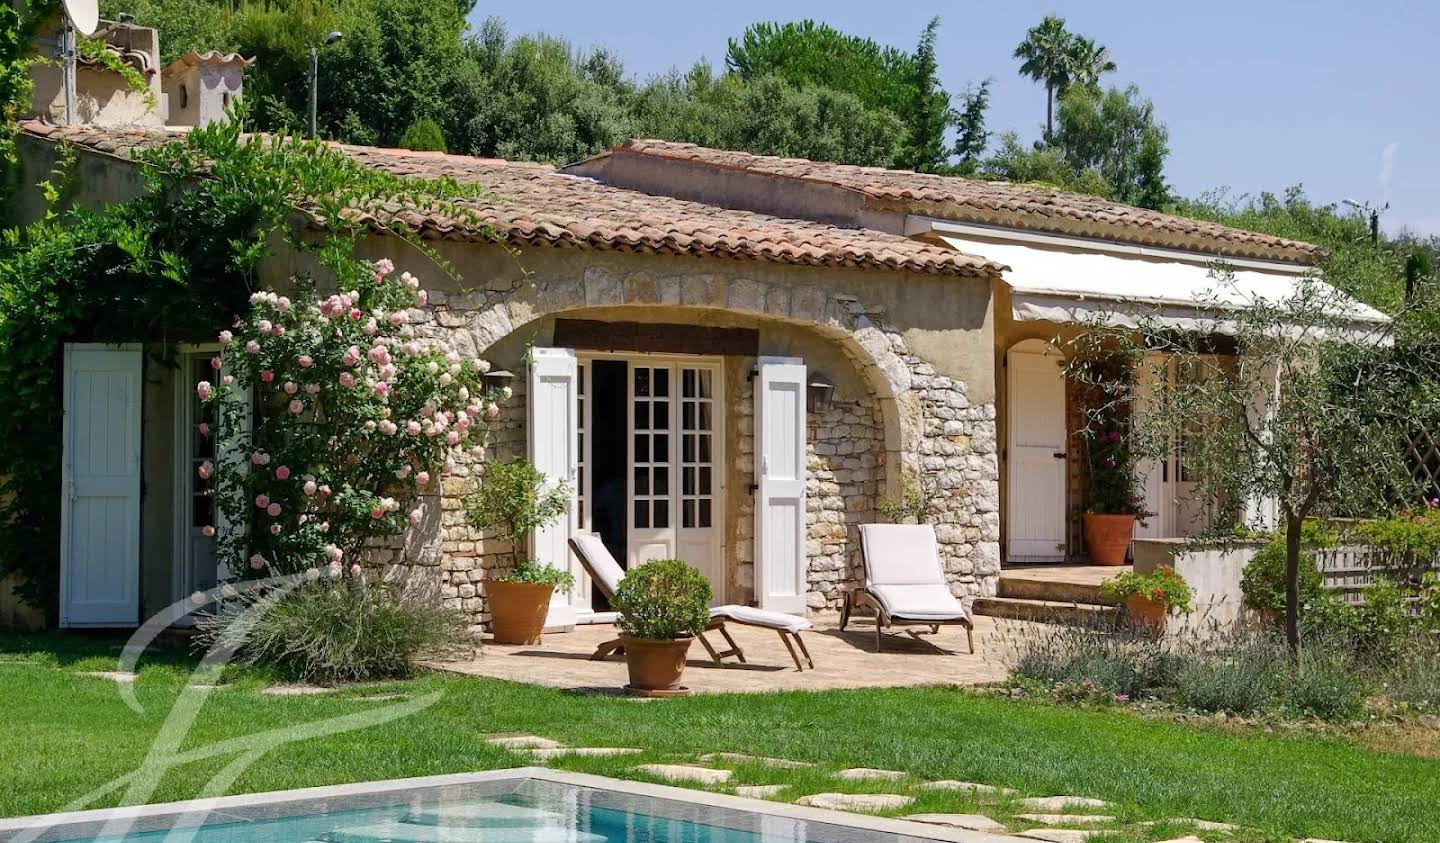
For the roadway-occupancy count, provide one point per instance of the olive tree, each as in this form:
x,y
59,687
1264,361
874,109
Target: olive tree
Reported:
x,y
1282,409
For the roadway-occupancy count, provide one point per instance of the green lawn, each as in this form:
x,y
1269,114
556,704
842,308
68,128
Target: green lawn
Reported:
x,y
65,734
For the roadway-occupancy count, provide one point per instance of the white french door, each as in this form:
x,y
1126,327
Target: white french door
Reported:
x,y
1171,492
100,498
673,466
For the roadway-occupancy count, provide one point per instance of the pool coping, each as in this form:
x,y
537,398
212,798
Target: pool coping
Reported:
x,y
867,822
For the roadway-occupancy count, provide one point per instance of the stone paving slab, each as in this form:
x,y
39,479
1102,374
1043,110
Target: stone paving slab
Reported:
x,y
1191,839
864,802
559,751
860,774
842,660
742,758
1203,825
969,822
687,773
124,677
760,791
1062,835
1061,803
970,787
524,742
1066,819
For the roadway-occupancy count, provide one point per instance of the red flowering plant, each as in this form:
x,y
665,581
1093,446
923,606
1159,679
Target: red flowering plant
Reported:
x,y
353,418
1110,453
1163,586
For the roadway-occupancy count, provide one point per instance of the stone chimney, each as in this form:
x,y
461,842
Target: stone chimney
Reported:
x,y
199,87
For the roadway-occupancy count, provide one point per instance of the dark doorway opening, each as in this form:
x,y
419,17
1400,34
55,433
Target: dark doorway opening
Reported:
x,y
608,459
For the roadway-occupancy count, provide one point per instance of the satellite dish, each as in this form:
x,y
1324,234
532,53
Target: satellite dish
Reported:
x,y
84,15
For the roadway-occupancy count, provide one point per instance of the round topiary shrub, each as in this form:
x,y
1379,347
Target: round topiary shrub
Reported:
x,y
663,600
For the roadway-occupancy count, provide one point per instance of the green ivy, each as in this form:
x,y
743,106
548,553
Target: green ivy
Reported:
x,y
96,50
175,263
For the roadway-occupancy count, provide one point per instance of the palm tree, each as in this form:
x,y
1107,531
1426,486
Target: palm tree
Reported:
x,y
1047,56
1088,62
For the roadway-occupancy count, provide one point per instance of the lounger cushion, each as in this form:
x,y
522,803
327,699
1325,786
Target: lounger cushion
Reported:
x,y
751,616
919,602
901,554
596,558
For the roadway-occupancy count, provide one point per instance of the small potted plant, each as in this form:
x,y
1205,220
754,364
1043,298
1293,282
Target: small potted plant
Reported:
x,y
515,499
1149,597
663,605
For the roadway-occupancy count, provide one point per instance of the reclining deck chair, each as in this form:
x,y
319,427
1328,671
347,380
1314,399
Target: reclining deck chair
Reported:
x,y
607,573
904,582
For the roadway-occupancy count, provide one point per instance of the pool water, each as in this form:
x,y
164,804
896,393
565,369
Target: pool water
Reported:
x,y
509,818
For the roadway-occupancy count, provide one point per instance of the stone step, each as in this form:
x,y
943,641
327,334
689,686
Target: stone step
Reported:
x,y
1055,591
1045,611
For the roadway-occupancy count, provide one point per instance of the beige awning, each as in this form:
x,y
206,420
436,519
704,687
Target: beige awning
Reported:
x,y
1067,283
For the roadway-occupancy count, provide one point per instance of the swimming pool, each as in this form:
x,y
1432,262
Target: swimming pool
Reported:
x,y
529,805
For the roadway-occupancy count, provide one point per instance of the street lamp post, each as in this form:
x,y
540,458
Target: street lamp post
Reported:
x,y
315,78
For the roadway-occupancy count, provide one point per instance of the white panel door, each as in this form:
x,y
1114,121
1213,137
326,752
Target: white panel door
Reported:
x,y
100,495
780,469
552,410
1036,522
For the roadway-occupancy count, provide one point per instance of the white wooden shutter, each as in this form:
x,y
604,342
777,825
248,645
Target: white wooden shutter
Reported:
x,y
780,465
100,486
552,420
1154,474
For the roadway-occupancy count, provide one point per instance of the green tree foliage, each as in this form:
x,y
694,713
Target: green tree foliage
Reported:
x,y
1058,59
805,53
928,113
971,136
424,136
1115,133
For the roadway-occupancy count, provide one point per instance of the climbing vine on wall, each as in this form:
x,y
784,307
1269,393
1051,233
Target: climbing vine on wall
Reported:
x,y
176,263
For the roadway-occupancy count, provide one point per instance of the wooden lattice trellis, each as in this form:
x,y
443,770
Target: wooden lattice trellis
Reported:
x,y
1422,457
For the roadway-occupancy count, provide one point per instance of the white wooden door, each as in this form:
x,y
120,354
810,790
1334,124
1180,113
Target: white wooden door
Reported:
x,y
100,494
1154,474
780,470
652,462
552,409
1036,520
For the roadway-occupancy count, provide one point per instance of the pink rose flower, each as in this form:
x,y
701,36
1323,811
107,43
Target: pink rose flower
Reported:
x,y
305,361
398,318
370,328
310,488
262,501
493,410
275,528
423,296
205,470
387,427
263,326
267,376
377,513
282,304
325,493
355,314
355,570
282,473
273,510
415,517
423,478
278,330
227,379
215,363
382,388
351,356
312,388
452,438
226,336
333,553
257,562
252,347
347,380
325,525
203,390
207,531
259,458
297,406
384,267
203,429
291,387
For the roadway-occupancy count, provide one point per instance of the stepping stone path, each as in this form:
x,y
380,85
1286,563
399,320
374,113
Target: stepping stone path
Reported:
x,y
1066,819
1191,839
296,690
970,787
760,791
121,676
595,751
742,758
686,773
1061,835
1203,825
1061,803
860,774
524,742
969,822
864,802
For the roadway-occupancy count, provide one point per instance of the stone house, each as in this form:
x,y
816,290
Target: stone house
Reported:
x,y
734,358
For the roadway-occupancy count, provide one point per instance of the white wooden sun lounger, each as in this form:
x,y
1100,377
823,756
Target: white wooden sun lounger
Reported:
x,y
904,582
607,574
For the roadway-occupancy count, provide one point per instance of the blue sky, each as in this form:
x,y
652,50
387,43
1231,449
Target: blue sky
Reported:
x,y
1339,95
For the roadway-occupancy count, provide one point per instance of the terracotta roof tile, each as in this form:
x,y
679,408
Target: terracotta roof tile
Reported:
x,y
533,204
997,203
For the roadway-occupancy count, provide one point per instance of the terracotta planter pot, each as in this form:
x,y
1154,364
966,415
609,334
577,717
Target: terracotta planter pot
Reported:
x,y
1145,613
517,610
1108,537
656,666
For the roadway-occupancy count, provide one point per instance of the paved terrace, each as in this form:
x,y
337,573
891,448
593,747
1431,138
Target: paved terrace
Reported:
x,y
842,659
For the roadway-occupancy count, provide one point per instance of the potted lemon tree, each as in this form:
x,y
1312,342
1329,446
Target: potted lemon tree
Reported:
x,y
663,605
514,499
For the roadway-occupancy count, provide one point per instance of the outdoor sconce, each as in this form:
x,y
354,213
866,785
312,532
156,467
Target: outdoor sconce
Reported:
x,y
498,379
820,391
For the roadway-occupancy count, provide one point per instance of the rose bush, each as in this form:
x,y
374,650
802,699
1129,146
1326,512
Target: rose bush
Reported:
x,y
353,418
